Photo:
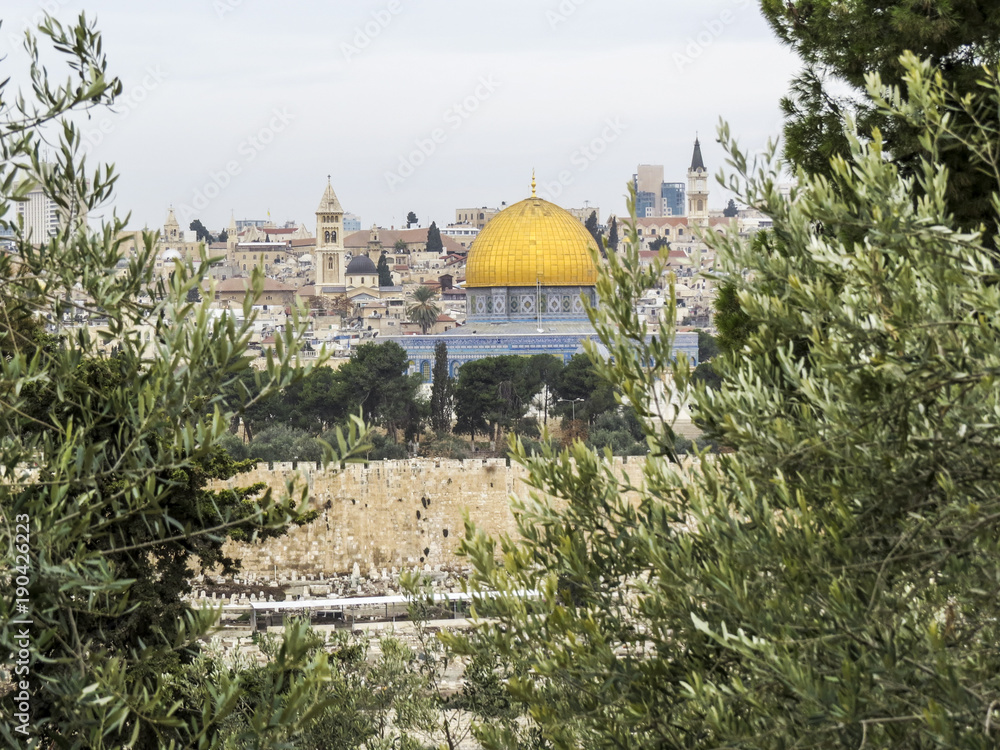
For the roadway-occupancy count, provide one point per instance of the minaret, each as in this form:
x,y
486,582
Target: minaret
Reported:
x,y
697,190
329,239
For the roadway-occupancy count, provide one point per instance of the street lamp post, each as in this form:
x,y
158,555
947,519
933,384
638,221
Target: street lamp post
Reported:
x,y
573,401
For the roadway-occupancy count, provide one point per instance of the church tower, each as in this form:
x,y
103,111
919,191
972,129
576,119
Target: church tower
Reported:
x,y
329,239
697,191
232,233
171,229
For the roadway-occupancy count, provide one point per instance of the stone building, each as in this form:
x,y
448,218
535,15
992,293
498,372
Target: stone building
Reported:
x,y
527,276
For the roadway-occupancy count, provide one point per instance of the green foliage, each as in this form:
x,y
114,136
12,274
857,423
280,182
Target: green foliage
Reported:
x,y
733,324
581,390
731,210
594,228
434,244
411,219
622,435
373,382
844,43
613,235
107,459
442,390
382,448
493,393
279,442
422,309
384,274
831,581
203,234
708,347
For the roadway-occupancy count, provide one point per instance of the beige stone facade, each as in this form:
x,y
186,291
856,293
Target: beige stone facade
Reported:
x,y
388,513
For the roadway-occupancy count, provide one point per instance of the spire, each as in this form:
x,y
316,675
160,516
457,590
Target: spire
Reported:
x,y
329,203
533,183
696,161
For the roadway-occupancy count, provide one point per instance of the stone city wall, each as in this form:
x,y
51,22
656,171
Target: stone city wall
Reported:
x,y
385,514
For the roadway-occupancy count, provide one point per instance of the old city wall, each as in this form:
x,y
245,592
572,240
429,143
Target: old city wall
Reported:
x,y
386,514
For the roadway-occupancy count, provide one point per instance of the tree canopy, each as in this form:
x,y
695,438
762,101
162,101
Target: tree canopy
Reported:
x,y
108,441
423,309
384,274
434,243
832,580
844,43
203,234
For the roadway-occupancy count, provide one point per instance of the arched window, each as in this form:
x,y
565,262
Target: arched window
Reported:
x,y
329,262
701,205
326,236
333,236
425,370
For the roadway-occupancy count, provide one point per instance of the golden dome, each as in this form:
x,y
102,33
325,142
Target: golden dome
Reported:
x,y
530,242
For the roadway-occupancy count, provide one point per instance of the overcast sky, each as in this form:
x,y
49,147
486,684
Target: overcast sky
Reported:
x,y
422,105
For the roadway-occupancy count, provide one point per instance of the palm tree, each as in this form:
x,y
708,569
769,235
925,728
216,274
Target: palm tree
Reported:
x,y
423,311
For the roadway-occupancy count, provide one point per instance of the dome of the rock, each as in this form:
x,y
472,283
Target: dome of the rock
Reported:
x,y
532,242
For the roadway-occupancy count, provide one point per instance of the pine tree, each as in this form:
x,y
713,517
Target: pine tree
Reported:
x,y
441,390
869,37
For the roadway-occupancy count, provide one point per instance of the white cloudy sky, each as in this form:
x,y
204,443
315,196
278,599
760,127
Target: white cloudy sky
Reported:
x,y
285,93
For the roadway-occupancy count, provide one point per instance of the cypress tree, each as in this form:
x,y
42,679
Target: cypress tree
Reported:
x,y
441,390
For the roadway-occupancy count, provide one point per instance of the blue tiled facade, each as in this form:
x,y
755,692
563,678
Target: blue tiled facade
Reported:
x,y
508,304
468,347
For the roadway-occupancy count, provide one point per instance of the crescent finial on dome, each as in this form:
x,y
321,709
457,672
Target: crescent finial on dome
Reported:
x,y
533,183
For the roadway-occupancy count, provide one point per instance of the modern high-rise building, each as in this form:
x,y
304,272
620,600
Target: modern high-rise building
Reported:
x,y
39,216
673,198
654,197
648,179
645,204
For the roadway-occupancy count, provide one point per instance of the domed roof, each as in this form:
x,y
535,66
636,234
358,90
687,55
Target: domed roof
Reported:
x,y
171,254
530,242
359,265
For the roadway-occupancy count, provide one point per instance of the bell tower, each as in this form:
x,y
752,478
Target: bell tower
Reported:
x,y
329,239
697,192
